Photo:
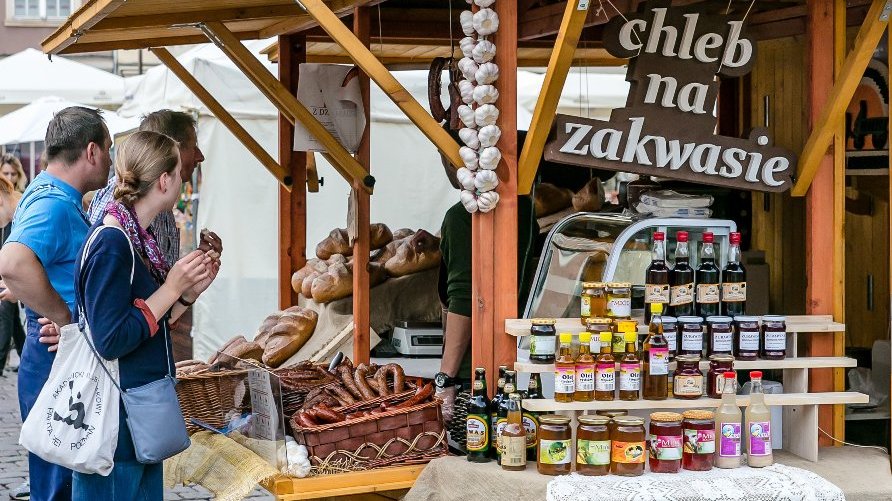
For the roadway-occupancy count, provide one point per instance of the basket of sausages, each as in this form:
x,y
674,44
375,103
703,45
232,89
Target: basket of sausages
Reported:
x,y
374,418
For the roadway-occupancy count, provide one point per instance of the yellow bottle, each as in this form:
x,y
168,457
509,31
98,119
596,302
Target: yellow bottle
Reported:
x,y
565,370
585,370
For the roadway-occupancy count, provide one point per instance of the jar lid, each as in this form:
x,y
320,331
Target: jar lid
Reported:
x,y
543,321
690,320
698,414
665,417
597,320
688,358
627,420
718,319
611,414
746,318
774,318
620,285
721,358
669,320
589,419
592,285
554,419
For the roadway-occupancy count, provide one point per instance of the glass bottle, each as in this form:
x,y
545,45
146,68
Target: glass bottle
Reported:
x,y
655,355
530,418
477,424
758,426
513,455
502,419
656,288
585,370
681,279
605,371
708,280
494,410
630,371
565,370
734,280
728,425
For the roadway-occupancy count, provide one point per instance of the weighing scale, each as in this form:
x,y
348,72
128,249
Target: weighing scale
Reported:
x,y
418,338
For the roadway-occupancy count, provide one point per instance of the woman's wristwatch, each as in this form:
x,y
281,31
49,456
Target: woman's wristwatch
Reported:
x,y
184,302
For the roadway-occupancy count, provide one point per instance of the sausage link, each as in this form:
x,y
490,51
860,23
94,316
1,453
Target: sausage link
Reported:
x,y
359,377
421,394
304,420
328,415
346,375
343,396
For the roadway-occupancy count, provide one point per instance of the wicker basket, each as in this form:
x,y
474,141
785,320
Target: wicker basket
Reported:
x,y
210,396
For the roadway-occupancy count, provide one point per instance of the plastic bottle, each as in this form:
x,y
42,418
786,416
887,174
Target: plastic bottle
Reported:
x,y
728,425
585,370
565,370
758,426
605,371
630,370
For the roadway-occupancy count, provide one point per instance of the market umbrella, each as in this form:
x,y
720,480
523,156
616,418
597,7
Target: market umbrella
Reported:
x,y
28,124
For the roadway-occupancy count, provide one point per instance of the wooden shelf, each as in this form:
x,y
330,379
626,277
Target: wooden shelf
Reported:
x,y
867,172
345,484
785,399
788,363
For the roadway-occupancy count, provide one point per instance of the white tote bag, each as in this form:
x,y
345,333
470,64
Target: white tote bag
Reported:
x,y
74,422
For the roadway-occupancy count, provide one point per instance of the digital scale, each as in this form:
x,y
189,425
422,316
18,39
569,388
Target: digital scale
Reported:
x,y
418,338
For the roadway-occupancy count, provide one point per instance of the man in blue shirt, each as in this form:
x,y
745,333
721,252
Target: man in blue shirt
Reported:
x,y
37,262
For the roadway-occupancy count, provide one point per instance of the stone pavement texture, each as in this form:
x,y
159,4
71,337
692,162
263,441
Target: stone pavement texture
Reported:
x,y
14,458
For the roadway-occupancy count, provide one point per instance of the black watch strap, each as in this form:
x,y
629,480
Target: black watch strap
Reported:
x,y
442,380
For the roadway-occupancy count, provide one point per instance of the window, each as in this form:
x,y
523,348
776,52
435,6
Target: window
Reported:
x,y
40,10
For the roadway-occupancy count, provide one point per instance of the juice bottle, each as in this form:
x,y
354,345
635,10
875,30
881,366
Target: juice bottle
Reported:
x,y
656,288
605,371
728,425
630,370
585,370
565,370
513,443
655,355
758,426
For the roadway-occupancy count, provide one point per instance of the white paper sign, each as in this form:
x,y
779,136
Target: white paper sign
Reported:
x,y
333,95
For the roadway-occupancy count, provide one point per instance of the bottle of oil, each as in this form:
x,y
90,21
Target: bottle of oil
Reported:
x,y
605,370
565,370
758,426
630,370
478,420
585,370
655,355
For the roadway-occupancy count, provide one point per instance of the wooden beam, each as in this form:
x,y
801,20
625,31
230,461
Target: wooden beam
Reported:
x,y
312,173
839,224
546,21
81,20
377,72
224,117
361,246
340,8
164,20
286,102
843,89
546,105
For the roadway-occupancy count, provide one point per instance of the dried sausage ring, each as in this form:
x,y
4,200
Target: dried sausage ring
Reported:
x,y
399,377
359,377
346,374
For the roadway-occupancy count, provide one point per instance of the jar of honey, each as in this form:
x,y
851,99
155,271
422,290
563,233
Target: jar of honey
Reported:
x,y
593,445
774,337
687,380
593,302
542,340
554,451
718,365
619,300
747,337
611,414
720,336
691,336
666,440
628,447
699,440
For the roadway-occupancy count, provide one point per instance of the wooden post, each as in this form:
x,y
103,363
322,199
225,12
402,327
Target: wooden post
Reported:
x,y
839,222
293,204
494,246
361,314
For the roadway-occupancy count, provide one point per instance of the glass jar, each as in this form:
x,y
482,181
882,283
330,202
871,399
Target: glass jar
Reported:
x,y
597,325
719,335
687,380
611,414
553,449
774,337
691,336
699,440
746,337
666,440
628,447
593,445
670,332
718,365
542,340
619,340
593,302
619,300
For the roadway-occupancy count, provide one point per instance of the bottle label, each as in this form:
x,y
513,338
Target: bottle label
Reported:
x,y
593,452
627,452
619,342
619,307
554,451
692,341
585,304
594,346
699,441
665,447
760,438
541,345
606,377
719,383
585,377
733,292
659,361
656,293
707,293
564,380
629,377
688,385
501,423
681,294
775,341
513,451
531,425
477,433
729,442
671,336
722,342
478,385
749,341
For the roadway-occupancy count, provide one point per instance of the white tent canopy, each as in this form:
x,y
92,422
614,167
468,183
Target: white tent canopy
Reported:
x,y
28,124
29,75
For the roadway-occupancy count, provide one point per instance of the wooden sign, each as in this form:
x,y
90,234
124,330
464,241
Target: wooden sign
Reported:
x,y
667,128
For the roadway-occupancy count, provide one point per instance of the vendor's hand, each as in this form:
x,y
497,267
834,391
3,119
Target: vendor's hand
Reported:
x,y
49,334
210,241
6,294
189,271
447,395
192,294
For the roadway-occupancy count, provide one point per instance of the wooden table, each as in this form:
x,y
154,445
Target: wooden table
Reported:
x,y
381,482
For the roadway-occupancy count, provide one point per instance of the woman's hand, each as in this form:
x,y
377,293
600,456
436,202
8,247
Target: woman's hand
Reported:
x,y
192,294
190,270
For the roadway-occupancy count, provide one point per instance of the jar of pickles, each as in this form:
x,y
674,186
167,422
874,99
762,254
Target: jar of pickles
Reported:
x,y
593,302
774,337
687,380
699,440
666,439
597,325
593,445
746,337
627,446
554,450
720,336
542,340
691,336
670,332
619,300
718,365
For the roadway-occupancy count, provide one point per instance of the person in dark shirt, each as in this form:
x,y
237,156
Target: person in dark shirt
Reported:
x,y
10,323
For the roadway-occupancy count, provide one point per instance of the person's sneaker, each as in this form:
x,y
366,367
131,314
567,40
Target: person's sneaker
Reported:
x,y
23,491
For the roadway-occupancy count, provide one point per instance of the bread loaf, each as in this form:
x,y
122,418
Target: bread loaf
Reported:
x,y
549,199
227,345
306,288
386,252
590,198
249,350
265,327
335,284
292,332
314,264
403,233
336,243
379,236
377,274
417,253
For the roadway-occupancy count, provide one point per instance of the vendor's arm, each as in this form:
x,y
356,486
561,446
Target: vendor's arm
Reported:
x,y
455,247
27,280
456,343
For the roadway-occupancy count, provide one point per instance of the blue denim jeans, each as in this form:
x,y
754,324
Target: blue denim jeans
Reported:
x,y
128,481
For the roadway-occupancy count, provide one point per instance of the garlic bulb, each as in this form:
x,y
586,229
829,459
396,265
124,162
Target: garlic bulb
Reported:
x,y
466,178
467,45
487,201
486,180
469,137
489,135
483,51
466,89
467,22
468,67
483,3
489,158
469,200
467,116
485,22
469,157
485,94
486,115
486,73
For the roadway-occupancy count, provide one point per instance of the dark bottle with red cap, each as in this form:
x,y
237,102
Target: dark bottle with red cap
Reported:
x,y
734,280
656,288
681,279
708,280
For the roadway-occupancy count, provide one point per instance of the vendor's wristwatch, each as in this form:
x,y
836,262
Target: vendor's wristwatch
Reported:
x,y
442,380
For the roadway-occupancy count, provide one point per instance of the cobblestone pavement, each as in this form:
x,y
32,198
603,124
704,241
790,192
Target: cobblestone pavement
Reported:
x,y
14,459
